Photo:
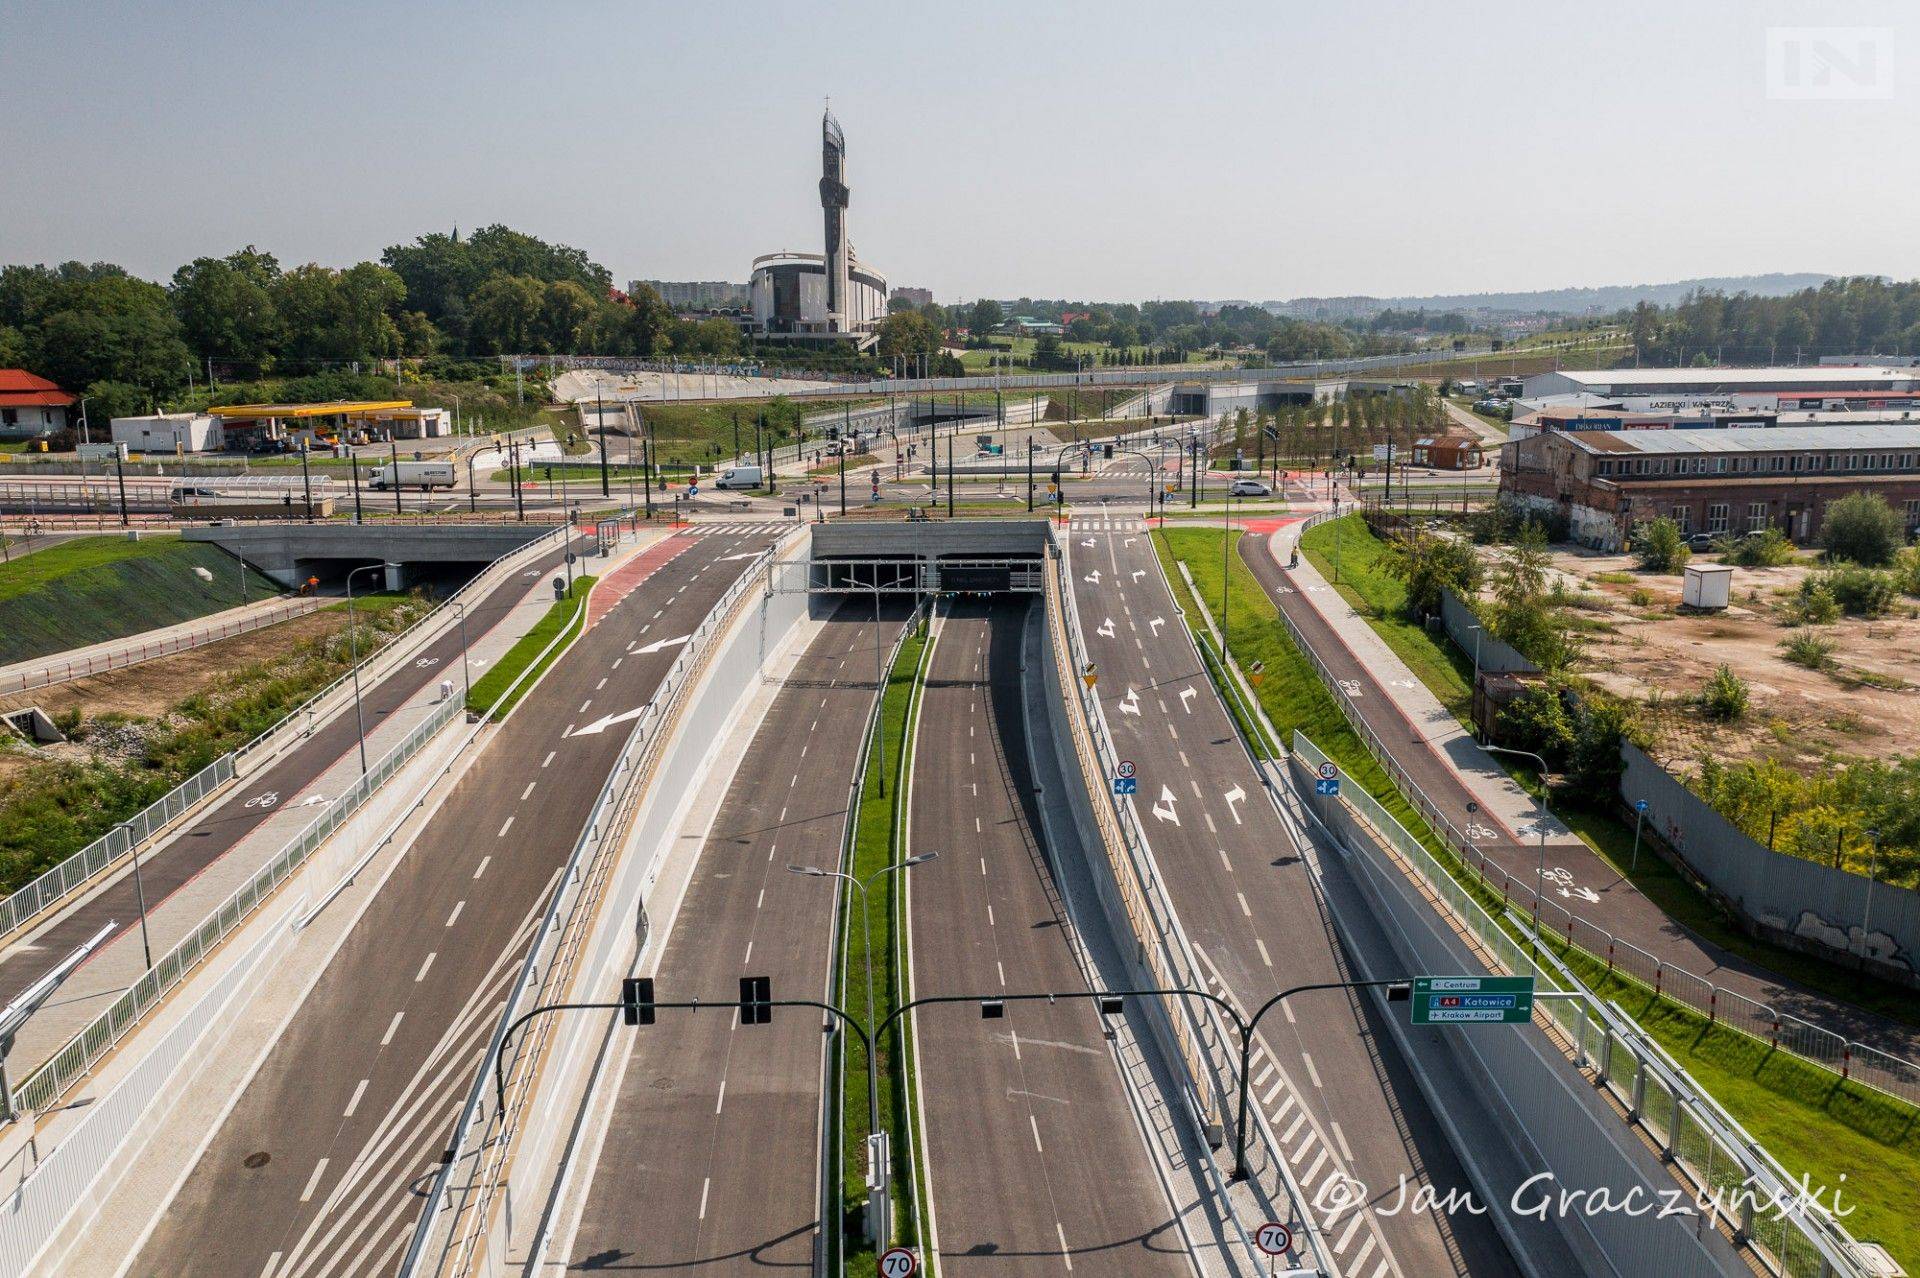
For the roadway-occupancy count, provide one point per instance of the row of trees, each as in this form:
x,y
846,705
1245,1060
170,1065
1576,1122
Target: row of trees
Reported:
x,y
1862,315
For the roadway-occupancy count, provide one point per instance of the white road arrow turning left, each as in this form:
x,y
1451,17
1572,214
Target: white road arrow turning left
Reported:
x,y
1233,796
1164,808
1130,704
659,644
1106,629
1094,577
607,721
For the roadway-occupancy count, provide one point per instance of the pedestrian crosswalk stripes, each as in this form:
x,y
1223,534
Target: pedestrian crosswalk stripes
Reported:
x,y
1106,523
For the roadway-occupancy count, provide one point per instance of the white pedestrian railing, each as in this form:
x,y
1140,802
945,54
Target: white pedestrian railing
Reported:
x,y
43,673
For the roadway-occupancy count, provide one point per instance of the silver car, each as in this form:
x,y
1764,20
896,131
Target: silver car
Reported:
x,y
1251,488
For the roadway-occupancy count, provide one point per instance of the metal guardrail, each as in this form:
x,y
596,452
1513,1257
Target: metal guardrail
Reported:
x,y
1859,1062
45,673
79,868
1698,1138
40,1089
445,1240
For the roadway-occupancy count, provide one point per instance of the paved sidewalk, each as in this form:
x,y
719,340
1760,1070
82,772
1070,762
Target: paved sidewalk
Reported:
x,y
1501,799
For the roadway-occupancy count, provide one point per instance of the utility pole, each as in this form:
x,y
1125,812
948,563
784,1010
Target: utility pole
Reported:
x,y
950,440
393,449
600,413
306,481
353,459
120,473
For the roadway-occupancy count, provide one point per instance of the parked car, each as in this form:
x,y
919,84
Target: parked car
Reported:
x,y
1701,541
1251,488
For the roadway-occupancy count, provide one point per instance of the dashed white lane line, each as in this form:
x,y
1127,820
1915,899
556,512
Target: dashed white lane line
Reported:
x,y
1244,907
749,954
421,975
529,790
1211,827
1064,1253
354,1103
601,684
585,704
1223,859
1346,1150
393,1026
481,868
983,867
720,1100
1034,1123
1262,947
989,916
616,663
705,1185
794,782
457,907
313,1181
976,825
504,829
549,759
1312,1073
1288,1012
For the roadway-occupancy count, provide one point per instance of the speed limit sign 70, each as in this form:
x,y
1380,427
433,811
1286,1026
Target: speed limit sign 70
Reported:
x,y
1274,1238
898,1262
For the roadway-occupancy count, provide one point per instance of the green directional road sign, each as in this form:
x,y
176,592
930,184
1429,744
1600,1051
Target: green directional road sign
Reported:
x,y
1472,1000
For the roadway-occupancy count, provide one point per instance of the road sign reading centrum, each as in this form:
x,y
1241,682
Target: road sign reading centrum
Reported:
x,y
1481,1000
898,1262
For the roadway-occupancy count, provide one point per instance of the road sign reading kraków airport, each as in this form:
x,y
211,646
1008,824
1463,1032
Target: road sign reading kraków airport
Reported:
x,y
1472,1000
898,1262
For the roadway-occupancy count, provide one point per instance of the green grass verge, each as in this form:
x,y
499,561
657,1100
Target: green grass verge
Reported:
x,y
877,834
561,617
1808,1118
93,589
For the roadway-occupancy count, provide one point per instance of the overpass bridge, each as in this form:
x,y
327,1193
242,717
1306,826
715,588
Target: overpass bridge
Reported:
x,y
292,552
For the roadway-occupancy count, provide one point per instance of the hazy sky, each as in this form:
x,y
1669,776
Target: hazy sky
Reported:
x,y
1101,150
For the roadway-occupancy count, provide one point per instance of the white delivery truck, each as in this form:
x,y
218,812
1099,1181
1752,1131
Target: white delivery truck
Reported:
x,y
411,474
739,477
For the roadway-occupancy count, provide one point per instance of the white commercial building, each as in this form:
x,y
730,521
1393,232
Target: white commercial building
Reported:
x,y
169,433
1670,382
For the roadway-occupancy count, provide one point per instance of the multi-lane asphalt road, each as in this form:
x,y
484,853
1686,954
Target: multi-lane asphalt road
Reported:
x,y
710,1159
1328,1079
1034,1163
316,1168
209,836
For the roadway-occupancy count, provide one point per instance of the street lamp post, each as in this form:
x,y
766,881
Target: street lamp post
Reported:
x,y
814,871
1474,691
1540,820
1639,818
353,646
1873,873
139,891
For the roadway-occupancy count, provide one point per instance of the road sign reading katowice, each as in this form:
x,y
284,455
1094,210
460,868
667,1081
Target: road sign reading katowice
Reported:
x,y
1472,1000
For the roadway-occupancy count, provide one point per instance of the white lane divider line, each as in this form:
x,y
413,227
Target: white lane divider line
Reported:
x,y
481,869
425,967
504,829
313,1181
529,790
1034,1123
705,1185
457,907
354,1103
393,1027
1312,1073
549,759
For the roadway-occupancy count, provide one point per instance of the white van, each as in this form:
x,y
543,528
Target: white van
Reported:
x,y
739,477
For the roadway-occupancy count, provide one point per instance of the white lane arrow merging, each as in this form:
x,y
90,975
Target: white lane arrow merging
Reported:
x,y
607,721
659,644
1164,808
1130,704
1106,630
1233,796
1186,695
1153,627
1094,577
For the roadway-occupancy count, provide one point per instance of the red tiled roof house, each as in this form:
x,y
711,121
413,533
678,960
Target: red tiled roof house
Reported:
x,y
30,406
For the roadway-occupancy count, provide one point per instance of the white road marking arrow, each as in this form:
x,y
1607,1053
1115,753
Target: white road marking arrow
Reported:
x,y
1129,541
1094,576
1106,630
1156,623
1185,695
1233,796
659,644
312,800
606,721
1164,808
1138,573
1087,542
1130,704
750,554
1588,895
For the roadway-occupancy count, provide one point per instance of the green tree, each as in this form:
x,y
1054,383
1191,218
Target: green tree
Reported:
x,y
1862,527
566,316
1659,546
983,318
1428,564
226,306
112,328
506,315
907,333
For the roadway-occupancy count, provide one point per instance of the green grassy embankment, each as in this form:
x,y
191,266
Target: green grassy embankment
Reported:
x,y
878,830
52,807
94,589
1810,1119
561,618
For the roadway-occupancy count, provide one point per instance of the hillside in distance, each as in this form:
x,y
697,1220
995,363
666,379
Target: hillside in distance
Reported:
x,y
1567,301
